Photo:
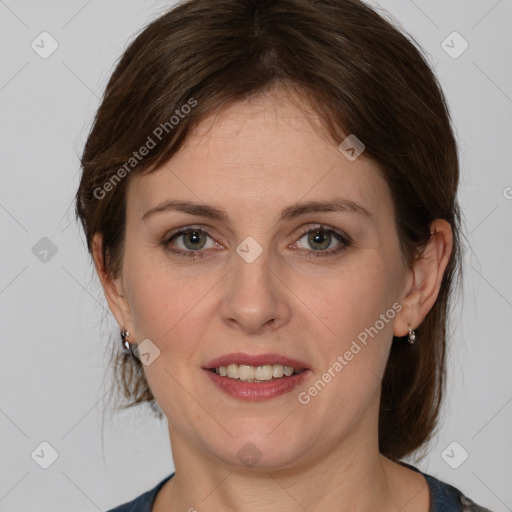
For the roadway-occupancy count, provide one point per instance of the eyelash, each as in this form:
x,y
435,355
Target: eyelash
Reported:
x,y
344,239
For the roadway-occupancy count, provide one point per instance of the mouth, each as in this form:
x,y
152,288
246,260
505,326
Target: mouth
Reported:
x,y
256,368
256,383
262,373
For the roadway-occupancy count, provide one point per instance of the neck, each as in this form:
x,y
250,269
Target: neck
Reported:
x,y
354,476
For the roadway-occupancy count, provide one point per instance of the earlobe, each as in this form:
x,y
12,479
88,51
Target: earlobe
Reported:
x,y
425,278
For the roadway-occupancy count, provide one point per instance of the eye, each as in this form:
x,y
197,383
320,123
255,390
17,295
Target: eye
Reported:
x,y
320,239
190,242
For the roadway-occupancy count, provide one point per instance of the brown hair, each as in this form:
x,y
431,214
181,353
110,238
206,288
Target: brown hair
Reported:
x,y
361,75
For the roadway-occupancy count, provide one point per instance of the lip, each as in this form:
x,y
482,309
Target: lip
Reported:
x,y
256,391
255,360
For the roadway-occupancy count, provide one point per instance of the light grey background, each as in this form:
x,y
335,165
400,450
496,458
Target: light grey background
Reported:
x,y
54,345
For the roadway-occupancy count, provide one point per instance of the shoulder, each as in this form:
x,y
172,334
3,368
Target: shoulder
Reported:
x,y
444,497
447,497
469,505
143,502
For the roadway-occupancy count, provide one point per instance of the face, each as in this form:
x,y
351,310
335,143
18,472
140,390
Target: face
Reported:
x,y
259,276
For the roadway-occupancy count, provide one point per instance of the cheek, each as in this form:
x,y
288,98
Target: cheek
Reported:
x,y
354,336
349,299
168,304
170,312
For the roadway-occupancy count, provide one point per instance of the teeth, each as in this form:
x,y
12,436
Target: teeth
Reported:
x,y
288,370
233,371
246,372
255,373
264,372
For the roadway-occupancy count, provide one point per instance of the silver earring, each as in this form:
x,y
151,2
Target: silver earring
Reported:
x,y
125,342
412,335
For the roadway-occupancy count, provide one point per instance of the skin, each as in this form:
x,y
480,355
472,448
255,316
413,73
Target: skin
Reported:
x,y
257,158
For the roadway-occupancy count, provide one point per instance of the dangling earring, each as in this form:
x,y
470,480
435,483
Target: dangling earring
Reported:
x,y
125,342
412,334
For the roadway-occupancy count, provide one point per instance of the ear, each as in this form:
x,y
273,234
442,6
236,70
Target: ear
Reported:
x,y
424,279
112,288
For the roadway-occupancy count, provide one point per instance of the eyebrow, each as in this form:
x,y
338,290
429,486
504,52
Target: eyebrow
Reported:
x,y
291,212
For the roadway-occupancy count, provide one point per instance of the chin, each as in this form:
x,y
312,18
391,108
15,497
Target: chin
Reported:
x,y
261,452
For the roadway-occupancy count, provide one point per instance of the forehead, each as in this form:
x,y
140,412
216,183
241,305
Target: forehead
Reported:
x,y
265,152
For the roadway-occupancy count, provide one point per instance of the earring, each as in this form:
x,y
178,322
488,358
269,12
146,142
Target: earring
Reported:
x,y
412,335
125,342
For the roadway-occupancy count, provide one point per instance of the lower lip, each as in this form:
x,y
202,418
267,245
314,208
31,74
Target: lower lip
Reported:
x,y
254,391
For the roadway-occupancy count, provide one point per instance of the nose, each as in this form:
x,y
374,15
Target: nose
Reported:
x,y
256,300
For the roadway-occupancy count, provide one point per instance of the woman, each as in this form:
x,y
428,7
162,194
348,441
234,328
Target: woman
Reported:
x,y
269,197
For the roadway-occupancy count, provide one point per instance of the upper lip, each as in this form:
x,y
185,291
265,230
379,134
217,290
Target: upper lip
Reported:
x,y
255,360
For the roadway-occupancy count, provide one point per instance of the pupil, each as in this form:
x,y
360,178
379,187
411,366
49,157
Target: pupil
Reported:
x,y
195,237
316,238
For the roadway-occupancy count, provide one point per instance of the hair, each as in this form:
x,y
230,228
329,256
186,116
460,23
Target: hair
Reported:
x,y
361,74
